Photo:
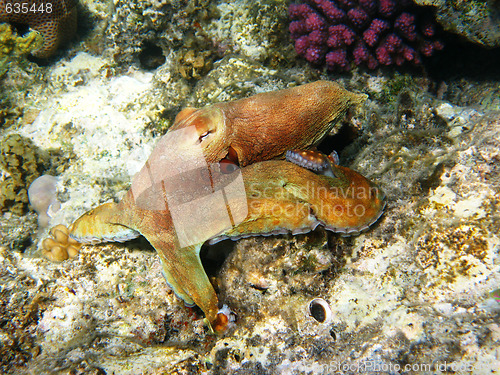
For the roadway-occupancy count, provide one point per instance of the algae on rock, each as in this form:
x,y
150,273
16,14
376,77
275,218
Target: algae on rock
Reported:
x,y
19,158
14,47
476,20
21,162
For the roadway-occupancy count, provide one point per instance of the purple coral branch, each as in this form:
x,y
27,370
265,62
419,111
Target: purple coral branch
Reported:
x,y
369,32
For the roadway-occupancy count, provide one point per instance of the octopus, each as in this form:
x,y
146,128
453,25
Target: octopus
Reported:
x,y
265,126
55,20
199,187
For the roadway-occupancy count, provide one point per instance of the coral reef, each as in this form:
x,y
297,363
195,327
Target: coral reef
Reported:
x,y
20,159
55,20
194,65
18,316
476,20
295,117
366,32
194,33
22,162
234,77
34,328
16,232
254,29
416,293
149,31
465,93
12,47
411,290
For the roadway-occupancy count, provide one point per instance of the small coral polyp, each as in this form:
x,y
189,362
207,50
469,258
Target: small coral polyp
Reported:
x,y
60,246
365,32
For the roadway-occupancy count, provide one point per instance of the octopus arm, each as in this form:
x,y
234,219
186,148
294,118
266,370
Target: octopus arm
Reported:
x,y
183,270
101,225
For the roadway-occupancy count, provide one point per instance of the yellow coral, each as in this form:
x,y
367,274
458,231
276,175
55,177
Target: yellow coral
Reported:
x,y
13,46
60,246
20,158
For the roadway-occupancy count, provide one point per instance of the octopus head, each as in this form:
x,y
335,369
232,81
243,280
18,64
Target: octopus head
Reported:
x,y
209,131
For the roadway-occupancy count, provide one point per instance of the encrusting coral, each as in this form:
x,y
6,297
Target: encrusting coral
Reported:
x,y
55,20
20,160
365,32
60,246
12,46
476,20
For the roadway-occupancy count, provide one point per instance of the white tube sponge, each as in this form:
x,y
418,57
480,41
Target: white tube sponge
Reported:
x,y
42,195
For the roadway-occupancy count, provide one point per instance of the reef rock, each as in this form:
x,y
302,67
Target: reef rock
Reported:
x,y
478,21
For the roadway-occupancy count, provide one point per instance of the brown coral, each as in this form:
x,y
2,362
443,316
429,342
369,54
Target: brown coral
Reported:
x,y
453,251
54,19
19,157
60,247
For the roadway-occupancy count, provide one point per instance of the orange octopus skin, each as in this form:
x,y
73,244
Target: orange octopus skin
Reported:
x,y
266,125
191,162
281,197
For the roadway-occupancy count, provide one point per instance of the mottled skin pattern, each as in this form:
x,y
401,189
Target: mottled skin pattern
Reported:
x,y
305,199
279,196
265,126
56,23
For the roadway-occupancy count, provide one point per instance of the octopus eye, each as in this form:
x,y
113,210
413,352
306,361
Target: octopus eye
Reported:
x,y
204,135
227,166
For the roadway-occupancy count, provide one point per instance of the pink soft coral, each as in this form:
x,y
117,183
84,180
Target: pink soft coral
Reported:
x,y
369,32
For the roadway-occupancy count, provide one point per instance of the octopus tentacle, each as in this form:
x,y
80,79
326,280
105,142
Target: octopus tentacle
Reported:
x,y
312,160
315,161
101,225
334,158
347,204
